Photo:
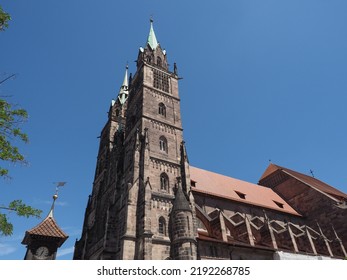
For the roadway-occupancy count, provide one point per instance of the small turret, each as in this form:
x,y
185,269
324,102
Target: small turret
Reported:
x,y
183,242
44,240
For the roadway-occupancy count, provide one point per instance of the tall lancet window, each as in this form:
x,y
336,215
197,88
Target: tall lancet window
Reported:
x,y
162,226
164,182
162,109
163,144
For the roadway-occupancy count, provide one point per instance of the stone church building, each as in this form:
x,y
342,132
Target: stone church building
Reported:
x,y
147,202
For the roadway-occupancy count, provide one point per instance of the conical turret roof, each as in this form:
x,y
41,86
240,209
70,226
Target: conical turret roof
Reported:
x,y
181,202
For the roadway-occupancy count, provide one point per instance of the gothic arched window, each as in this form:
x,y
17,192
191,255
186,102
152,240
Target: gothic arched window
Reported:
x,y
162,109
164,182
159,61
162,226
163,144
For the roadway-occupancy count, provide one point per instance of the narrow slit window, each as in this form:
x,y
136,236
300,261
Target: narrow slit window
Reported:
x,y
164,182
163,144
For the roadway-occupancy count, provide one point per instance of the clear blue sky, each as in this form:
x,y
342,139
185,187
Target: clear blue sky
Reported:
x,y
263,80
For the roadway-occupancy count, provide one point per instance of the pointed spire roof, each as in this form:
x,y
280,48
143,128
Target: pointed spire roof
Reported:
x,y
124,89
47,228
181,202
152,39
125,81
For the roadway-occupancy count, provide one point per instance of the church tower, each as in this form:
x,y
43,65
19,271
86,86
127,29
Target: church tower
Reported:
x,y
141,155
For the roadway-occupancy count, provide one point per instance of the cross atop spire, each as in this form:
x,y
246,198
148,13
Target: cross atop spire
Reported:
x,y
152,39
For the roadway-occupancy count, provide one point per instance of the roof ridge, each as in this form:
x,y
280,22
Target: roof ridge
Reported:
x,y
226,176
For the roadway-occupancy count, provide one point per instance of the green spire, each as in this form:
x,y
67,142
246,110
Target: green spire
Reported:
x,y
123,92
152,40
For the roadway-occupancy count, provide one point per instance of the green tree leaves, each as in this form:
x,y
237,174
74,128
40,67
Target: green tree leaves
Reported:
x,y
4,19
24,210
21,209
10,121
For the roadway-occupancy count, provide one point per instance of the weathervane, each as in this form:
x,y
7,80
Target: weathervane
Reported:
x,y
58,185
55,196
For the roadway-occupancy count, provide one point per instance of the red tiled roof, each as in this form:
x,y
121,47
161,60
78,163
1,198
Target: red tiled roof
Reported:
x,y
308,180
47,228
228,188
